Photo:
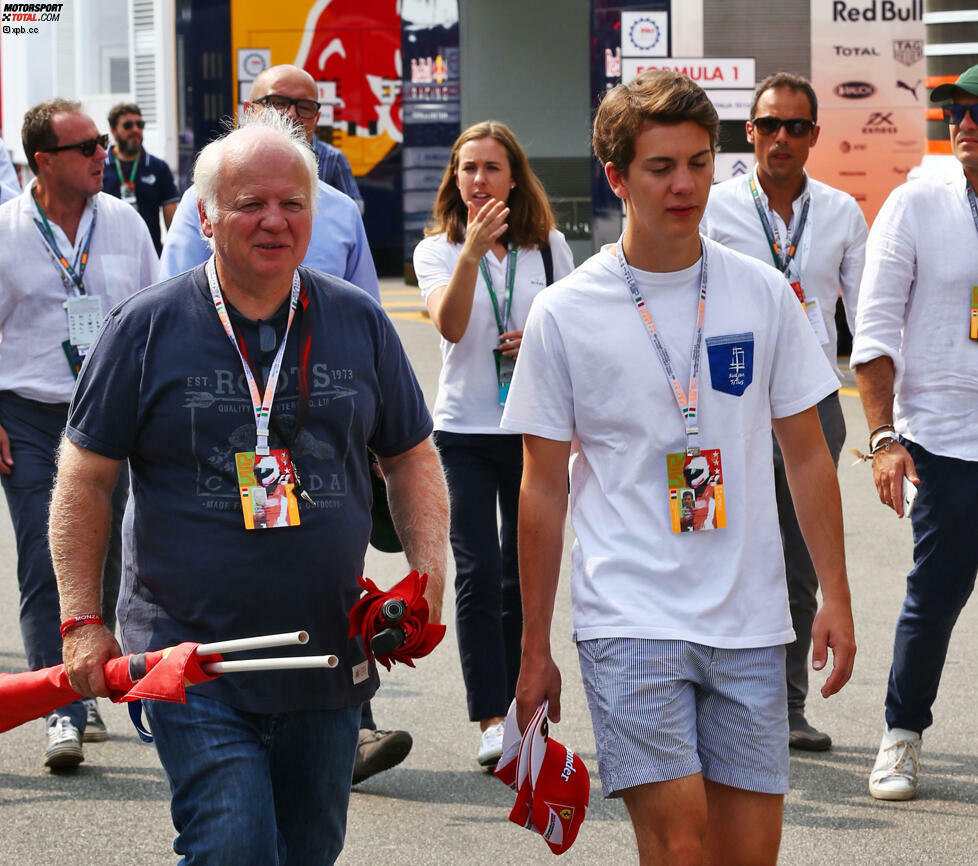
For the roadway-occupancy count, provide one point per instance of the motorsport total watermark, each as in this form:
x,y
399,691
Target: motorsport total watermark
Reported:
x,y
30,12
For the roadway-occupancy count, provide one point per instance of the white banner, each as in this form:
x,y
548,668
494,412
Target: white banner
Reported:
x,y
868,69
707,72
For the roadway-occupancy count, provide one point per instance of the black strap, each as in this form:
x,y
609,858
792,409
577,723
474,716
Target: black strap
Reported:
x,y
548,263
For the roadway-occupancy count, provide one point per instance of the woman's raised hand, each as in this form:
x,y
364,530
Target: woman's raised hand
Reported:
x,y
484,228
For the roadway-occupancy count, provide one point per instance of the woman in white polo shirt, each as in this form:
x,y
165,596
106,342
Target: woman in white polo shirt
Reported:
x,y
490,249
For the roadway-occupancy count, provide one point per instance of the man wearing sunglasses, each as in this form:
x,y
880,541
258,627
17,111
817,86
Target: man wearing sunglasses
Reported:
x,y
136,176
339,242
816,236
71,254
915,355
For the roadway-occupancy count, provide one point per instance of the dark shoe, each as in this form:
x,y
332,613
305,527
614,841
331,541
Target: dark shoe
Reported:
x,y
95,730
805,738
378,751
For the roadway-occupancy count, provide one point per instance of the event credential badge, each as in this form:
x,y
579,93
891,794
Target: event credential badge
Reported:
x,y
266,488
696,500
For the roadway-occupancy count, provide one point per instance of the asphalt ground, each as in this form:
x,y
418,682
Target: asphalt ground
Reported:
x,y
439,807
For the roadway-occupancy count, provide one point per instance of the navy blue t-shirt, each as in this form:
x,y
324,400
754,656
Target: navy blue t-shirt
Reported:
x,y
154,188
163,386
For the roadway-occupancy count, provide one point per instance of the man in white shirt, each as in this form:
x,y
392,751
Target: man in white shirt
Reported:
x,y
816,236
72,254
680,634
9,184
915,355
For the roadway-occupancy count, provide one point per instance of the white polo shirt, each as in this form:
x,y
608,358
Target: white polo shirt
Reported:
x,y
468,391
33,321
588,373
830,254
914,306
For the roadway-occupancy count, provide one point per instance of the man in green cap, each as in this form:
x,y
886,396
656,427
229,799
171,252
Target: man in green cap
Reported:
x,y
915,355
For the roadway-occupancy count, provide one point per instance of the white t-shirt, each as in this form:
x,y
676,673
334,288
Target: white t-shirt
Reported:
x,y
33,321
468,391
588,373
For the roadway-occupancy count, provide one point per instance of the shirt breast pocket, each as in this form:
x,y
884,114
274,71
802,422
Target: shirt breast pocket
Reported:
x,y
731,359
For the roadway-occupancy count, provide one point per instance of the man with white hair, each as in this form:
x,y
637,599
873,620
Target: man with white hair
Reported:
x,y
309,371
339,242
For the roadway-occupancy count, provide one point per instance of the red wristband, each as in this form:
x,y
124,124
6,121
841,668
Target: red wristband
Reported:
x,y
74,622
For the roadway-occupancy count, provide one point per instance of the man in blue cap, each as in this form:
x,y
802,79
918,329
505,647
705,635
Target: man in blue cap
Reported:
x,y
921,402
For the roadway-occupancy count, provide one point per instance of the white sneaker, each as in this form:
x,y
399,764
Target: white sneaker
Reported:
x,y
64,751
491,747
894,775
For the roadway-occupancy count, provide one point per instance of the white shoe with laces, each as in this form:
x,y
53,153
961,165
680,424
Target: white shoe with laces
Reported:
x,y
894,775
491,746
64,751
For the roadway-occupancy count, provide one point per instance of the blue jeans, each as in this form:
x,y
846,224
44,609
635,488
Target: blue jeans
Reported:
x,y
482,470
34,430
256,788
945,563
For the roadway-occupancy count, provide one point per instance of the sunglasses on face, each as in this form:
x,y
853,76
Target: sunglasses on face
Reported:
x,y
955,113
129,124
304,108
796,127
87,147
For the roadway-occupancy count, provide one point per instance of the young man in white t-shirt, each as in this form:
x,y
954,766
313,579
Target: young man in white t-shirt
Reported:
x,y
660,367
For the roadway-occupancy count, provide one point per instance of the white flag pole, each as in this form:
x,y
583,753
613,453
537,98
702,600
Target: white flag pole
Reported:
x,y
253,643
327,661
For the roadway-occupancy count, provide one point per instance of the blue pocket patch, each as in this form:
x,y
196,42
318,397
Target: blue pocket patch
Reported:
x,y
731,362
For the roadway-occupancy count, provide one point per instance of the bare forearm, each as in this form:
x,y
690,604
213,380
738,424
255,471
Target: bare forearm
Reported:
x,y
78,534
875,382
418,500
451,308
818,507
541,542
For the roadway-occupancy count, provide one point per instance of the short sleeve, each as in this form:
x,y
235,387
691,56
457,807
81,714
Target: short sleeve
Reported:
x,y
360,268
103,415
541,397
801,375
434,263
168,187
404,420
562,255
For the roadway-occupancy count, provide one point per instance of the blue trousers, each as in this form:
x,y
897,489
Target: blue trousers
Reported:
x,y
35,430
945,563
256,788
481,471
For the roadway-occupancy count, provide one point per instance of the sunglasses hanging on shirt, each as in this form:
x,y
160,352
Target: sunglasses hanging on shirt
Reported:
x,y
796,127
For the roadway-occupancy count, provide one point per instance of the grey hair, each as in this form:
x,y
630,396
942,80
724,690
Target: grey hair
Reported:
x,y
207,168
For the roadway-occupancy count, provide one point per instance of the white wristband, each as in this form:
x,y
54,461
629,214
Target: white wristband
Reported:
x,y
881,437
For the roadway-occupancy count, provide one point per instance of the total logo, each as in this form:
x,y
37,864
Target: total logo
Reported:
x,y
854,90
855,51
878,10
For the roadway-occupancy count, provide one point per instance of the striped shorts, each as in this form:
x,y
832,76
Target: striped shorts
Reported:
x,y
665,709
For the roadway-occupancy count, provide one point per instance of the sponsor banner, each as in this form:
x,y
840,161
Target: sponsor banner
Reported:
x,y
731,104
708,72
644,34
728,165
868,69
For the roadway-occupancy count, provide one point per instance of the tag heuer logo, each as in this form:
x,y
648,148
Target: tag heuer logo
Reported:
x,y
908,51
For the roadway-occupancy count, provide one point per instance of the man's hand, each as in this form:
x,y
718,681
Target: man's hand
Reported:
x,y
6,460
833,628
85,651
539,680
889,468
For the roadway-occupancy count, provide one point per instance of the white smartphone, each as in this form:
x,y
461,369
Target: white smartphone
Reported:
x,y
909,496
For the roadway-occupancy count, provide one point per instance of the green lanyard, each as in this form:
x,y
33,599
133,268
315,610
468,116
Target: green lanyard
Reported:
x,y
118,169
502,323
782,259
